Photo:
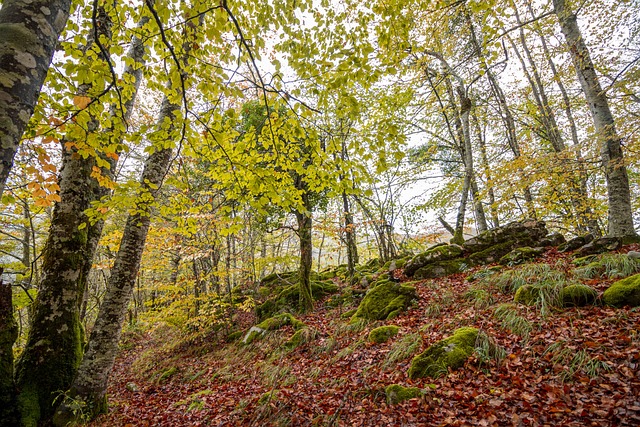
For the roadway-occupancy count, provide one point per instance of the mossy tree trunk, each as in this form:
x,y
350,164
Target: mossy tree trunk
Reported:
x,y
90,384
611,154
349,236
8,336
305,229
29,31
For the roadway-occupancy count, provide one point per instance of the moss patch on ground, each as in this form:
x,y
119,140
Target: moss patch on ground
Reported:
x,y
383,333
448,353
396,393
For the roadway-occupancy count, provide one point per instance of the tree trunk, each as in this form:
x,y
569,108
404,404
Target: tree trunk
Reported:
x,y
29,32
618,192
349,236
487,172
90,384
305,228
8,336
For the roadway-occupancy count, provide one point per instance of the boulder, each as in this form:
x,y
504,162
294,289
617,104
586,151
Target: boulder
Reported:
x,y
553,239
623,292
289,297
578,295
520,255
598,246
383,334
441,269
441,252
491,254
527,294
396,393
271,324
520,233
448,353
575,243
385,301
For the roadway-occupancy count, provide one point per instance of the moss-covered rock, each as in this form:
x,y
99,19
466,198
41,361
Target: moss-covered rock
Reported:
x,y
575,243
527,294
553,239
484,272
623,292
271,324
385,301
578,295
383,333
396,393
441,269
448,353
289,298
491,254
600,245
584,260
520,255
520,233
301,336
434,254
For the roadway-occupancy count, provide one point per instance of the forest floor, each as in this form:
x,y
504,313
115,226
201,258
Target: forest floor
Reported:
x,y
570,367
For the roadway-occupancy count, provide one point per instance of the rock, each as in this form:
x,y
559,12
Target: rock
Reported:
x,y
440,252
491,254
441,269
633,254
520,255
271,324
553,239
448,353
575,243
598,246
520,233
396,393
301,336
289,298
527,295
630,239
253,334
385,301
623,292
383,333
577,296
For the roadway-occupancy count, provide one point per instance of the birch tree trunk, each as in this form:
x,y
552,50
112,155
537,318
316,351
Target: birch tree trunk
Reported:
x,y
612,157
29,32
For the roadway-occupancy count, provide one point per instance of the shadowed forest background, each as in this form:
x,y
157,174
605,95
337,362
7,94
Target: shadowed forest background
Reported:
x,y
319,213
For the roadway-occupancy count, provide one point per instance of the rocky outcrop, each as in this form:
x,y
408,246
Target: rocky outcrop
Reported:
x,y
486,248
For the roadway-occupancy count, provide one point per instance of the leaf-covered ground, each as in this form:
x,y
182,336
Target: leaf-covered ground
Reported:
x,y
574,367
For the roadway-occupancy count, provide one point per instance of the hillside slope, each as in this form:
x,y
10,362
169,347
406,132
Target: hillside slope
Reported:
x,y
570,366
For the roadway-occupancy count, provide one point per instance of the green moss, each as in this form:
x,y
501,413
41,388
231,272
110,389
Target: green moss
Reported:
x,y
448,353
491,254
527,294
385,301
383,333
441,269
235,336
348,314
267,397
432,255
166,374
584,260
289,298
578,295
396,393
277,322
520,255
300,337
623,292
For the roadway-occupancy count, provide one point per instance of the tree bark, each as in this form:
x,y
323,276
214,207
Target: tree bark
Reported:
x,y
612,157
90,384
8,336
29,32
349,236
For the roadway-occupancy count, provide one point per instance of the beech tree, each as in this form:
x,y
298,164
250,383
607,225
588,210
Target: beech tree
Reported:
x,y
29,34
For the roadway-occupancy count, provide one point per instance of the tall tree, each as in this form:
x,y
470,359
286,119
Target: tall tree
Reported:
x,y
29,32
611,154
